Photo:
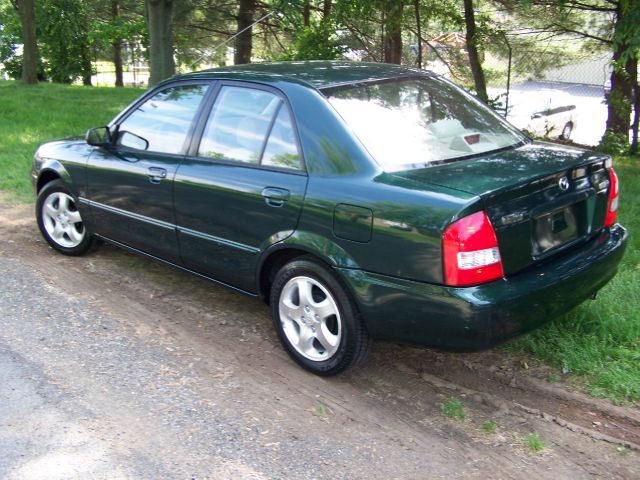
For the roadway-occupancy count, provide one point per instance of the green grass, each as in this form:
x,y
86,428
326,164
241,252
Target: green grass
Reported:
x,y
320,410
489,426
534,443
453,408
600,340
34,114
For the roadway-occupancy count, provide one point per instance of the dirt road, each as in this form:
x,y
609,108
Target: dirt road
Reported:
x,y
113,366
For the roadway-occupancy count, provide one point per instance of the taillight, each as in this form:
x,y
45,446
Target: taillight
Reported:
x,y
470,252
612,206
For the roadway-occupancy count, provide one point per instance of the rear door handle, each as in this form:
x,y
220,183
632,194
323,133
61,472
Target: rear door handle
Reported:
x,y
156,174
275,197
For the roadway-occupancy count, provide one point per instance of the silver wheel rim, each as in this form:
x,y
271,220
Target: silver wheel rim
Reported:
x,y
566,132
310,318
62,220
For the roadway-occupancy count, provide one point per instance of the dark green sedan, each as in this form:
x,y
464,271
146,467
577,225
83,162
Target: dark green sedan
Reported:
x,y
359,200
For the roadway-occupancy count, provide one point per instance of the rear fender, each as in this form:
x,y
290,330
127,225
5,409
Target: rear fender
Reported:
x,y
300,243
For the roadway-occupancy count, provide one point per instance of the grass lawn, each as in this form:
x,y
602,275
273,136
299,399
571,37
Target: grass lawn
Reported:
x,y
33,114
599,342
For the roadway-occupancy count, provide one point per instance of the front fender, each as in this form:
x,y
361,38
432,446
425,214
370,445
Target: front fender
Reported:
x,y
47,169
66,159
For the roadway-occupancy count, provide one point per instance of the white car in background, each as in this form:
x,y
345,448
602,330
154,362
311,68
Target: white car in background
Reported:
x,y
557,122
550,117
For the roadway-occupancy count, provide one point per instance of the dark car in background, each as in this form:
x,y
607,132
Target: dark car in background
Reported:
x,y
359,200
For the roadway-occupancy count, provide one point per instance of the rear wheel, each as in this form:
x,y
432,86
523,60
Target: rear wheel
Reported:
x,y
317,321
59,220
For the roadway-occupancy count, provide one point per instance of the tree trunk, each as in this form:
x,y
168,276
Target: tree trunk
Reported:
x,y
159,20
393,34
472,50
619,97
244,40
306,13
326,8
27,11
633,71
416,6
117,46
87,68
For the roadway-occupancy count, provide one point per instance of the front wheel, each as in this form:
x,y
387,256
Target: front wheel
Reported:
x,y
59,220
317,321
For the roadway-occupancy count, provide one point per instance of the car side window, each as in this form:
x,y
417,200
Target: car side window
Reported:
x,y
252,126
163,120
281,150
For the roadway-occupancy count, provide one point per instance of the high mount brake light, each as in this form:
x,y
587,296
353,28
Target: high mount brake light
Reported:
x,y
612,206
470,252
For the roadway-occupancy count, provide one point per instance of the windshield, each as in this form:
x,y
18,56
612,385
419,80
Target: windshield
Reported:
x,y
418,121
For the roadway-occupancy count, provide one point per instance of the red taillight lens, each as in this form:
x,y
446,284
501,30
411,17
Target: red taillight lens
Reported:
x,y
612,206
470,252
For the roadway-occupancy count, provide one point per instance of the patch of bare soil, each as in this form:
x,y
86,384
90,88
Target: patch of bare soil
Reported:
x,y
384,418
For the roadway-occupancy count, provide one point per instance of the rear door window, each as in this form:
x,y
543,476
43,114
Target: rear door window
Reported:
x,y
250,126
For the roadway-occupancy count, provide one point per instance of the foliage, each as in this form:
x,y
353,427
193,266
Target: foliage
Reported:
x,y
316,42
614,144
106,29
489,426
10,38
63,29
453,408
534,443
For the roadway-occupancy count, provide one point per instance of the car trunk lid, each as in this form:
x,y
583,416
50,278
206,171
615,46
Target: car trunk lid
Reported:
x,y
541,199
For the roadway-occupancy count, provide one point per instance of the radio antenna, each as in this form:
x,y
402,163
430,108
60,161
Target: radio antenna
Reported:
x,y
264,17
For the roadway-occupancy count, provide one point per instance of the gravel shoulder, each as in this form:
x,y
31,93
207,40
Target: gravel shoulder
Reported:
x,y
113,366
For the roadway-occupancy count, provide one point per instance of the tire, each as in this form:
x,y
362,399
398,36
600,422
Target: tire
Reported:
x,y
316,319
59,220
566,131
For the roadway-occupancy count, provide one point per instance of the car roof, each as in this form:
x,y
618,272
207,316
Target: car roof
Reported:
x,y
317,73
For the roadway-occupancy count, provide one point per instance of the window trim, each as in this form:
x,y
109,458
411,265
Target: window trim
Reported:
x,y
196,138
115,124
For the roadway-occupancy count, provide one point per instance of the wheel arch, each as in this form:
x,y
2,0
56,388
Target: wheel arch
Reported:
x,y
49,170
297,245
45,177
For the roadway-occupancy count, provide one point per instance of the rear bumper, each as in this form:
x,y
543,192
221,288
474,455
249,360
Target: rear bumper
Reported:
x,y
479,317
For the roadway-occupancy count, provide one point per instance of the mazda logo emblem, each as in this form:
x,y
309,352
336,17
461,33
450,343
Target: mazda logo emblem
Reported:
x,y
564,184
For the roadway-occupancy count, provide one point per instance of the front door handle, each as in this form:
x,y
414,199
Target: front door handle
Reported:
x,y
275,197
156,174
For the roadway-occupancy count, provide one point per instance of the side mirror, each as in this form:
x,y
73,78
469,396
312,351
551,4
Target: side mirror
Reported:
x,y
98,137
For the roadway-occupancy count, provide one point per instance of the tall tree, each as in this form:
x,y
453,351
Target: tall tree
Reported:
x,y
472,50
159,15
117,45
393,10
27,12
624,76
326,8
244,32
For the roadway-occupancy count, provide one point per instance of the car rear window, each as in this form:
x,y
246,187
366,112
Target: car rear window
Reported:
x,y
420,121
